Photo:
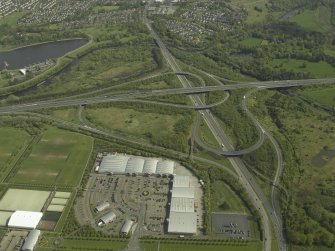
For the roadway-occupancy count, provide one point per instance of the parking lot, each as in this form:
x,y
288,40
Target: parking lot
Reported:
x,y
130,197
230,225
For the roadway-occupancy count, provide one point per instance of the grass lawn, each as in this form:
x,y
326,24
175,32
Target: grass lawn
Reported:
x,y
69,114
113,245
58,158
12,141
251,42
318,70
315,20
312,248
132,123
12,18
324,96
330,52
221,194
251,246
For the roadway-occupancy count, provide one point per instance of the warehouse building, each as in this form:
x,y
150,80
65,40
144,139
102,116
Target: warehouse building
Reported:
x,y
25,219
127,225
120,164
101,207
31,240
182,218
107,218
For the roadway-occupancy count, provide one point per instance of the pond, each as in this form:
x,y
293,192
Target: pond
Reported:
x,y
29,55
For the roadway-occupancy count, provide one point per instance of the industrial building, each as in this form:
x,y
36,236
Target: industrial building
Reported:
x,y
101,207
182,218
107,218
127,225
25,219
121,164
31,240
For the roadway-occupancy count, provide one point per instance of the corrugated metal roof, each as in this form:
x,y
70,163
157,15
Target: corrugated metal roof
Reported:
x,y
109,217
181,181
31,240
102,206
114,163
150,166
135,165
183,192
165,167
126,226
182,223
182,205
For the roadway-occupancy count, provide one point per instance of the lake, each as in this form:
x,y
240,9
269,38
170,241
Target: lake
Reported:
x,y
22,57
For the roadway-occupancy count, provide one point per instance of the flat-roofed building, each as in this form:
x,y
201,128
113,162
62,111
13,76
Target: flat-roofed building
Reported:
x,y
181,181
182,205
183,192
31,240
25,219
182,223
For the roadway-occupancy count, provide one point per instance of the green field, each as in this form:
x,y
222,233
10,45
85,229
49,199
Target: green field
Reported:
x,y
315,20
223,199
251,246
106,8
131,122
251,42
58,158
254,16
12,18
318,70
324,96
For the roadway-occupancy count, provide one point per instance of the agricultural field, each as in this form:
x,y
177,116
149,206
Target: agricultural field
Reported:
x,y
251,42
318,20
318,70
250,246
324,96
58,158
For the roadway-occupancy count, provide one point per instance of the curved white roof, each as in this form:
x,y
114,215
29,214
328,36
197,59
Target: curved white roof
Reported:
x,y
126,226
150,166
108,217
31,240
25,219
114,163
165,167
135,165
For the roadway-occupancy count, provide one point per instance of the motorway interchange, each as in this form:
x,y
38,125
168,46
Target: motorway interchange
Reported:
x,y
269,210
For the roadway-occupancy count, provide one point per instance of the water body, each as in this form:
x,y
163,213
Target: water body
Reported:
x,y
22,57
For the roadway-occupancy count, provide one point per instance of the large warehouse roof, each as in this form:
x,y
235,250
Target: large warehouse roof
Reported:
x,y
181,181
182,205
25,219
182,223
31,240
129,164
183,192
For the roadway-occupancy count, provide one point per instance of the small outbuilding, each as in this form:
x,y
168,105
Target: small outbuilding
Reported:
x,y
107,218
101,207
31,240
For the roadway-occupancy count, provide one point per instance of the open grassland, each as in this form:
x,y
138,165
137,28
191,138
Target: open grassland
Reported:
x,y
105,8
12,18
87,245
318,20
318,70
324,96
59,158
69,114
202,246
131,122
13,142
102,67
311,248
